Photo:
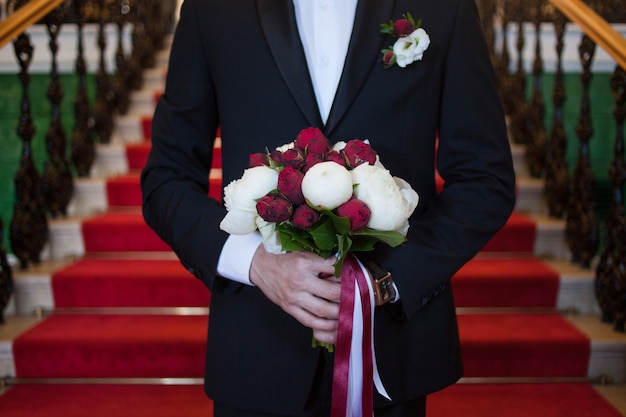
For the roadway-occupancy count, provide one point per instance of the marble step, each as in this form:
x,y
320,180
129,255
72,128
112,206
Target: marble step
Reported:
x,y
33,291
607,359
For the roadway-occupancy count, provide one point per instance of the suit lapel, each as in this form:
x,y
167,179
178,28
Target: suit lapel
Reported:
x,y
279,26
363,52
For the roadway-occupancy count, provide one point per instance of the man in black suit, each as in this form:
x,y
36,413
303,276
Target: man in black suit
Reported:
x,y
258,70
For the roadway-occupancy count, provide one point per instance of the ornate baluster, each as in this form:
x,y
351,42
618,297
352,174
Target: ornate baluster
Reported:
x,y
135,77
610,278
536,139
29,225
151,32
83,143
57,178
556,190
104,93
502,65
120,86
6,275
144,34
519,125
582,223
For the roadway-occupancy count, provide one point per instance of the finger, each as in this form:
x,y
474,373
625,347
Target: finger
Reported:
x,y
317,307
314,322
327,289
325,336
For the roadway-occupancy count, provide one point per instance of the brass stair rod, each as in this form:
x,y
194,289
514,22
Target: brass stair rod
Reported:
x,y
598,29
16,23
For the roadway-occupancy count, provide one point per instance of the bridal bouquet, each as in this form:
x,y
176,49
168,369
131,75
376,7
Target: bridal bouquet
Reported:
x,y
330,200
309,195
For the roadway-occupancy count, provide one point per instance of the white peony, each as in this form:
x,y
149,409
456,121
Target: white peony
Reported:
x,y
391,200
327,185
339,146
286,146
240,198
410,48
271,241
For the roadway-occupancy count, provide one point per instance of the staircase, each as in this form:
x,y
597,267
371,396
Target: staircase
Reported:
x,y
120,318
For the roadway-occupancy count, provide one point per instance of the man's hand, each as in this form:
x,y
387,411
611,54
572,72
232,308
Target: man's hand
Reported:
x,y
293,282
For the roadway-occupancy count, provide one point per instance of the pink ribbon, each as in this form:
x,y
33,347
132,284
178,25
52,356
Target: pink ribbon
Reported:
x,y
351,274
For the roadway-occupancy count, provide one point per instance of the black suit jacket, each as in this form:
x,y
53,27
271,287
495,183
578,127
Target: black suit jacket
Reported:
x,y
240,65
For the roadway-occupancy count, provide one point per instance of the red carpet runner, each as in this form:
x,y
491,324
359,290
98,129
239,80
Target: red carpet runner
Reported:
x,y
162,346
477,400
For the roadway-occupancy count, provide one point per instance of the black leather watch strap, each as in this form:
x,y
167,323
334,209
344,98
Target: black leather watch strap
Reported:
x,y
382,282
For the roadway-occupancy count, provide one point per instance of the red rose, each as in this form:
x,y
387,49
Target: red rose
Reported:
x,y
356,211
358,152
312,159
335,156
402,27
293,157
313,141
276,156
290,184
388,58
304,217
274,208
257,159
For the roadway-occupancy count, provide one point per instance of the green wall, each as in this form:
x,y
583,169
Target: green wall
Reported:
x,y
603,140
10,142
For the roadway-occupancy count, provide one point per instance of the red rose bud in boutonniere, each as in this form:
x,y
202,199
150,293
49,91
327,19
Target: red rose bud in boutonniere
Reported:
x,y
304,217
357,212
274,208
389,58
290,184
313,141
358,152
403,27
410,44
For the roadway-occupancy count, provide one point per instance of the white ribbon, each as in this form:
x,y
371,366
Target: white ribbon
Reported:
x,y
355,379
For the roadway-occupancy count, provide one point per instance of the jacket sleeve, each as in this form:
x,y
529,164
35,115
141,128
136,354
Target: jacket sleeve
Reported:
x,y
174,181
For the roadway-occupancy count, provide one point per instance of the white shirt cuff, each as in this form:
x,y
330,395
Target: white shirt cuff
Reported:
x,y
236,257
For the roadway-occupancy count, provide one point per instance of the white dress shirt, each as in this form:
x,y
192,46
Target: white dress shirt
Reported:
x,y
325,27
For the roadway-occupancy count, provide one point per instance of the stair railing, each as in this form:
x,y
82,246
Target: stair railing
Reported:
x,y
16,23
40,196
611,267
571,196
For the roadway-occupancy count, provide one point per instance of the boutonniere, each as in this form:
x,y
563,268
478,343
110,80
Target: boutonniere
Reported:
x,y
411,43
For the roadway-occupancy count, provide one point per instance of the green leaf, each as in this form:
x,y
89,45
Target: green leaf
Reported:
x,y
408,17
363,243
342,224
324,235
387,28
343,248
328,346
391,238
292,238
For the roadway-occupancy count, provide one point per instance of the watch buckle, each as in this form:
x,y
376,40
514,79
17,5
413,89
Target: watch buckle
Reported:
x,y
383,289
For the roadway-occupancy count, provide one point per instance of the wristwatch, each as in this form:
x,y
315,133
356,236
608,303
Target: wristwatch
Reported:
x,y
384,290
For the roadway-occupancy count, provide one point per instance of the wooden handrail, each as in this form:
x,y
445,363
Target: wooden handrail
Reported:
x,y
25,16
595,27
